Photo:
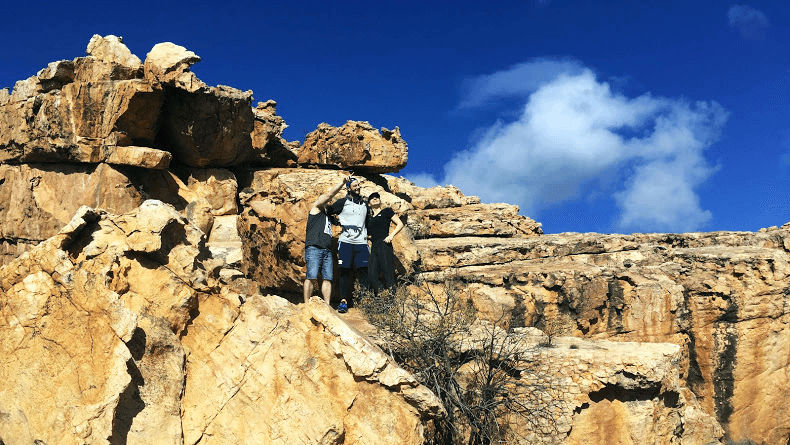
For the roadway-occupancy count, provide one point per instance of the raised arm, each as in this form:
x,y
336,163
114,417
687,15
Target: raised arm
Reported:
x,y
324,199
398,228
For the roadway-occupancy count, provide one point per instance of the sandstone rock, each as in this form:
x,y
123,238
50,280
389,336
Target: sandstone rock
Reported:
x,y
168,64
500,220
111,50
37,200
209,127
82,336
441,253
269,148
55,75
112,332
224,241
272,224
355,145
721,296
581,392
144,157
86,110
26,89
432,198
218,186
81,122
304,371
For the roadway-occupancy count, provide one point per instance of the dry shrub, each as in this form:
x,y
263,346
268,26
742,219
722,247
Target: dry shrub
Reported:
x,y
490,380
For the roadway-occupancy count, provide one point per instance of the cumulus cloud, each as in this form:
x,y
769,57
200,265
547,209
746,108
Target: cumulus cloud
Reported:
x,y
517,81
576,138
750,22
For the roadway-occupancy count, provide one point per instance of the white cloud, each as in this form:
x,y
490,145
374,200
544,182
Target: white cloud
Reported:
x,y
423,180
749,21
575,134
517,81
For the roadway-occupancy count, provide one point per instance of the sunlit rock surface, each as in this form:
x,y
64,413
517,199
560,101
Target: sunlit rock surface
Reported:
x,y
355,145
142,321
115,331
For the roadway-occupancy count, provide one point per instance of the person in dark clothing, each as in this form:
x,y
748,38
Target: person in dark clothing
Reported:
x,y
318,245
382,257
352,248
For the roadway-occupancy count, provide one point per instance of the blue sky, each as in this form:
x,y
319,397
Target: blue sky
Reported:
x,y
606,116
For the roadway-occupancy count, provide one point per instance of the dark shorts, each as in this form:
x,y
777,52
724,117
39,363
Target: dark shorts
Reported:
x,y
356,254
317,258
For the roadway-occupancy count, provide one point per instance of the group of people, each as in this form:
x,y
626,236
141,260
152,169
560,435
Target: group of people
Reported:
x,y
361,220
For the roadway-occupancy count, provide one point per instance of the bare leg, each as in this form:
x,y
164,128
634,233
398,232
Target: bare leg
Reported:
x,y
308,290
326,289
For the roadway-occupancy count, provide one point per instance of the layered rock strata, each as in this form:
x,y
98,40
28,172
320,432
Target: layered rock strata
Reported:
x,y
721,296
597,391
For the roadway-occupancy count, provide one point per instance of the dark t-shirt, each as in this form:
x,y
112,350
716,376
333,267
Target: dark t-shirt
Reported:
x,y
319,231
379,225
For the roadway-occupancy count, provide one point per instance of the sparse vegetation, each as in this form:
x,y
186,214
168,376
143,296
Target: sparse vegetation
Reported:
x,y
488,377
553,327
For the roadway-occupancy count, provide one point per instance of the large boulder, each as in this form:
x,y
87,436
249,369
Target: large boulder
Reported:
x,y
110,107
94,109
355,145
269,371
208,128
269,147
114,331
37,200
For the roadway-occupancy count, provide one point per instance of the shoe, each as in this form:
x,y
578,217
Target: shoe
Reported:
x,y
342,307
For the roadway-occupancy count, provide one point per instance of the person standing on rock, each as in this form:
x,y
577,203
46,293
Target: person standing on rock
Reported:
x,y
318,245
382,256
352,248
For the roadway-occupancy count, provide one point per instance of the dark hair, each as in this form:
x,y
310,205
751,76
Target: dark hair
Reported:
x,y
374,195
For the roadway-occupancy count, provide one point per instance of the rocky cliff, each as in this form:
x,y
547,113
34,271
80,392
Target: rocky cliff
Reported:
x,y
151,237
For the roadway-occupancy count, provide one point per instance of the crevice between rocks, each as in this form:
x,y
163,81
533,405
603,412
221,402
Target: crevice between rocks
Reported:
x,y
130,404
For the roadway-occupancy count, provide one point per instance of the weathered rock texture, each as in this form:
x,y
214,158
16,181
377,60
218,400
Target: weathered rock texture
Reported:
x,y
276,203
357,145
724,297
110,107
601,392
36,200
148,327
115,326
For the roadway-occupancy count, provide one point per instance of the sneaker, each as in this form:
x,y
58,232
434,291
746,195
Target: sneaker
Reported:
x,y
342,307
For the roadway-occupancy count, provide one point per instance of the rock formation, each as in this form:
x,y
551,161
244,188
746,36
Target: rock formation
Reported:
x,y
150,226
723,297
117,326
355,145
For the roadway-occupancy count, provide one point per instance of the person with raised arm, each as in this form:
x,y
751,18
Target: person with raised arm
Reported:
x,y
318,245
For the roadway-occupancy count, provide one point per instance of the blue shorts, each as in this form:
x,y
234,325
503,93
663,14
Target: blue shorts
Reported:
x,y
356,254
317,258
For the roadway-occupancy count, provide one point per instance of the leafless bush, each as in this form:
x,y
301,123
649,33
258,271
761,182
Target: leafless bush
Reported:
x,y
488,378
